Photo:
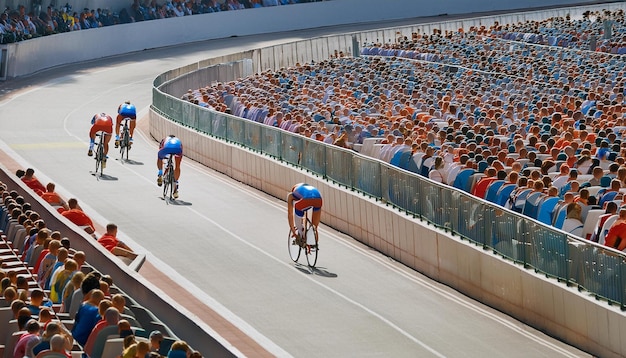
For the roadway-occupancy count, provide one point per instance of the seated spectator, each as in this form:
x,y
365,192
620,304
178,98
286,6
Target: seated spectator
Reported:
x,y
111,318
51,330
480,188
37,301
616,237
32,182
58,345
26,343
87,317
573,223
45,316
437,172
611,209
54,199
179,349
70,267
110,242
155,337
76,215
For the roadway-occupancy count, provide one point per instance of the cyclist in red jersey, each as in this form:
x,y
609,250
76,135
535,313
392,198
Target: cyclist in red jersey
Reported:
x,y
101,122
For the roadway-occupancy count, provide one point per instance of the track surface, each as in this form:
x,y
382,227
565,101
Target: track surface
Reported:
x,y
226,242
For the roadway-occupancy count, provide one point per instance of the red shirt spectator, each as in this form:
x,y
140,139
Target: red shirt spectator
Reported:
x,y
77,216
32,182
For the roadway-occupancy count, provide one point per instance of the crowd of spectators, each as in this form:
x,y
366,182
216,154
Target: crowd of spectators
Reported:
x,y
52,300
515,103
18,24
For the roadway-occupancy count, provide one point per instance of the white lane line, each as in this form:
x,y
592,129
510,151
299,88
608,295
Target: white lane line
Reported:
x,y
308,277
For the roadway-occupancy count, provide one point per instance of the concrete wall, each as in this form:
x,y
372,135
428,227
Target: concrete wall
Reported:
x,y
545,304
30,56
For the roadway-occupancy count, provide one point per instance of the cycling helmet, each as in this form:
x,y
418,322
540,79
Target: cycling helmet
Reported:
x,y
297,185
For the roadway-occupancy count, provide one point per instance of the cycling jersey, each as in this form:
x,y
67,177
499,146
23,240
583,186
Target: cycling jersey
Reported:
x,y
127,110
306,197
170,146
101,124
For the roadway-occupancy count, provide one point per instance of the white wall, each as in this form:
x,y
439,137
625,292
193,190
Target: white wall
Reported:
x,y
30,56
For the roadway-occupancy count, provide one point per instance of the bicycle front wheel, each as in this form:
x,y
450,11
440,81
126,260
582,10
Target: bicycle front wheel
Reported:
x,y
312,245
293,247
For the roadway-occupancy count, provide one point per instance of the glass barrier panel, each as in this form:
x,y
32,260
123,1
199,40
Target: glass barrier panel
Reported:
x,y
315,157
253,135
270,141
292,148
367,175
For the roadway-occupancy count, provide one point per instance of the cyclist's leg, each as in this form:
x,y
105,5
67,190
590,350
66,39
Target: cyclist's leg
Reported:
x,y
131,127
316,216
177,160
160,157
299,220
92,139
118,123
106,137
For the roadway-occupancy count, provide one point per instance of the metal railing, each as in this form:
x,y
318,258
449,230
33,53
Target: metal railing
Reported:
x,y
523,240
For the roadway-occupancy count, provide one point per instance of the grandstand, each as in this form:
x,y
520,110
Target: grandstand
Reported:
x,y
392,193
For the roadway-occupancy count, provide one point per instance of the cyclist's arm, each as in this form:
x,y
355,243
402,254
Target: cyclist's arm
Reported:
x,y
290,200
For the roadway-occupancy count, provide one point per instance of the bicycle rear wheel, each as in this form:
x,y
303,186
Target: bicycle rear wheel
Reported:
x,y
293,247
312,245
99,157
172,180
123,146
166,185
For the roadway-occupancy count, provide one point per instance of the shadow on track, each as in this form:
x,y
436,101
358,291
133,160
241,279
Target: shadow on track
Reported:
x,y
104,176
129,161
317,271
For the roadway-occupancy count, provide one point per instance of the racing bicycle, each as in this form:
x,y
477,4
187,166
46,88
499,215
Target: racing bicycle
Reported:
x,y
169,182
100,156
309,244
125,142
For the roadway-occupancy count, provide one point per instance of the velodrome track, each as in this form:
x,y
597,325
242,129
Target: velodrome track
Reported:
x,y
226,243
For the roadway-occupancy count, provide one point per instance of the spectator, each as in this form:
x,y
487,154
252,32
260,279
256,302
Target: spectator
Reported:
x,y
111,243
52,198
58,344
37,301
573,223
51,330
155,337
32,182
111,318
87,317
24,346
179,349
70,267
616,237
76,215
611,209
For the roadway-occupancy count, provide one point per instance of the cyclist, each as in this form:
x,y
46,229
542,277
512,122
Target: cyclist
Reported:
x,y
101,122
170,146
125,110
301,198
